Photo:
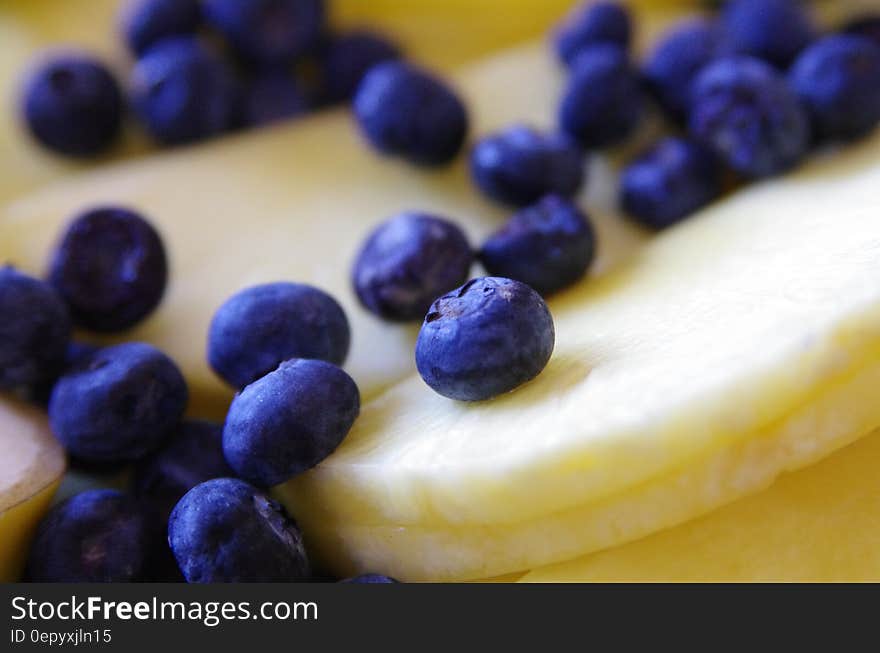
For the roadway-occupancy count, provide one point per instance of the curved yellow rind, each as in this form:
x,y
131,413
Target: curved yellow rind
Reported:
x,y
17,526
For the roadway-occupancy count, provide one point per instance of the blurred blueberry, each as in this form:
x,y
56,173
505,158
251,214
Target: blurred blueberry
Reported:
x,y
772,30
268,32
346,58
674,62
111,269
192,454
146,22
519,165
226,531
748,114
838,80
484,339
409,261
77,354
867,25
674,178
183,93
592,23
260,327
603,102
119,405
548,246
289,421
271,97
98,536
404,111
369,579
34,330
73,105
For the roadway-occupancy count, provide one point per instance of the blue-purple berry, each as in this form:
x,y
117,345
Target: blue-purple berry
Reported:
x,y
681,53
268,32
603,100
144,23
289,421
369,579
347,57
589,24
746,111
259,327
182,92
519,165
670,181
192,454
484,339
866,25
409,261
97,536
549,246
111,269
119,405
407,112
271,97
838,80
35,329
772,30
226,531
73,105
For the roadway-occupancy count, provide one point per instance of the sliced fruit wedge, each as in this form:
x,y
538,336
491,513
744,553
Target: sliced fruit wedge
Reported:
x,y
295,202
817,525
743,344
31,466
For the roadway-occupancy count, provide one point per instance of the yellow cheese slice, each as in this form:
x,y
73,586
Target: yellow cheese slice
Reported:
x,y
31,465
821,524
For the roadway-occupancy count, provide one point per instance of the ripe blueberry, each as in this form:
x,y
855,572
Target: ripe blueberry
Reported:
x,y
119,405
548,246
671,180
289,421
589,24
772,30
34,330
409,261
746,112
484,339
404,111
146,22
260,327
271,97
73,105
226,531
369,579
111,269
520,165
346,58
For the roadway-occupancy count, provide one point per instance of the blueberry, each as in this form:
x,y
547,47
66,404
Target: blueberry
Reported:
x,y
867,25
289,421
603,102
146,22
838,80
226,531
98,536
111,269
346,59
77,354
193,454
548,246
404,111
484,339
409,261
73,105
183,93
519,165
681,53
674,178
589,24
119,405
268,32
369,579
745,110
772,30
260,327
34,330
272,97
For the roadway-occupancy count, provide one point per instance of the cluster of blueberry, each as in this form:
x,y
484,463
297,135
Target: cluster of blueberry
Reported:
x,y
202,68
